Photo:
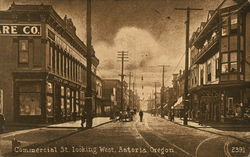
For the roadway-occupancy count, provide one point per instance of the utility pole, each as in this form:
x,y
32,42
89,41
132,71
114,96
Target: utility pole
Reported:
x,y
123,55
155,99
133,98
89,71
162,89
129,90
185,96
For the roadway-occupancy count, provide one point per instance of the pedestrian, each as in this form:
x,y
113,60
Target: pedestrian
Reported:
x,y
141,115
2,123
172,116
200,117
83,117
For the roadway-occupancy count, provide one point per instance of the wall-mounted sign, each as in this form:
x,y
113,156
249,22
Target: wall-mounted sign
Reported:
x,y
20,30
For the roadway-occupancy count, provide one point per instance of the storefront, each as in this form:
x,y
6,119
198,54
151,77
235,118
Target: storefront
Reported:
x,y
223,103
48,99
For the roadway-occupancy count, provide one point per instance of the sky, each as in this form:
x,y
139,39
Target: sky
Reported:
x,y
152,32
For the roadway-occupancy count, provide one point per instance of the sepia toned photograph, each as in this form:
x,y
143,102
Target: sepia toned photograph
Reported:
x,y
124,78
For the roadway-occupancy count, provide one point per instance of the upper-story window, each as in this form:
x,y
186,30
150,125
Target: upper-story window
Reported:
x,y
229,62
216,67
234,21
209,72
202,76
224,30
23,56
50,54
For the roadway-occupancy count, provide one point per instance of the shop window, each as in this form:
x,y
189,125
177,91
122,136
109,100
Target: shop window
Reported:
x,y
68,92
73,101
49,106
62,91
49,88
68,106
62,107
233,42
23,56
29,100
30,104
229,109
224,44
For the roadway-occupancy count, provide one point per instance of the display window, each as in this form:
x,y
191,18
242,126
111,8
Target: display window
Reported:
x,y
49,106
62,91
62,107
30,104
29,99
49,87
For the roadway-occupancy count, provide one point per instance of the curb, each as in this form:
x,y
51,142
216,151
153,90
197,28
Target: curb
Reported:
x,y
56,139
201,129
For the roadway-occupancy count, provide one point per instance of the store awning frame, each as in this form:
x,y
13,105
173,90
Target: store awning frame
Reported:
x,y
179,104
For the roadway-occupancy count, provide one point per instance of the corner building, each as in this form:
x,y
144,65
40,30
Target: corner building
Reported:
x,y
219,64
43,65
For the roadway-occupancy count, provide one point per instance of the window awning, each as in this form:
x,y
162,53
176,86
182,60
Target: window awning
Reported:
x,y
179,104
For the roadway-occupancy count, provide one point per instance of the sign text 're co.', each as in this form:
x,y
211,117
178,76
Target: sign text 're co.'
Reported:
x,y
20,30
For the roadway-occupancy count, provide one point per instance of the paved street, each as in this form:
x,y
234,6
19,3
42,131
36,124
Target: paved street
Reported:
x,y
152,137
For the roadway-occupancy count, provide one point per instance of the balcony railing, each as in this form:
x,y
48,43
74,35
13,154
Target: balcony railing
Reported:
x,y
205,49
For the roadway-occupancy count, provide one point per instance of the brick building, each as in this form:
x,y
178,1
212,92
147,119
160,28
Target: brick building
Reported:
x,y
43,74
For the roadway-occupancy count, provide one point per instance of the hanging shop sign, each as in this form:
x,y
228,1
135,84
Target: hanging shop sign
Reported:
x,y
20,30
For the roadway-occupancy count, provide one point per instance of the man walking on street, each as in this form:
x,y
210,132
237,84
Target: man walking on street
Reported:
x,y
83,117
141,115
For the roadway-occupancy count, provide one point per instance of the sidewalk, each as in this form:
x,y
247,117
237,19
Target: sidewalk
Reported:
x,y
238,131
43,135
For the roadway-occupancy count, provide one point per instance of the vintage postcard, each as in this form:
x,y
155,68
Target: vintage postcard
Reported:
x,y
125,78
